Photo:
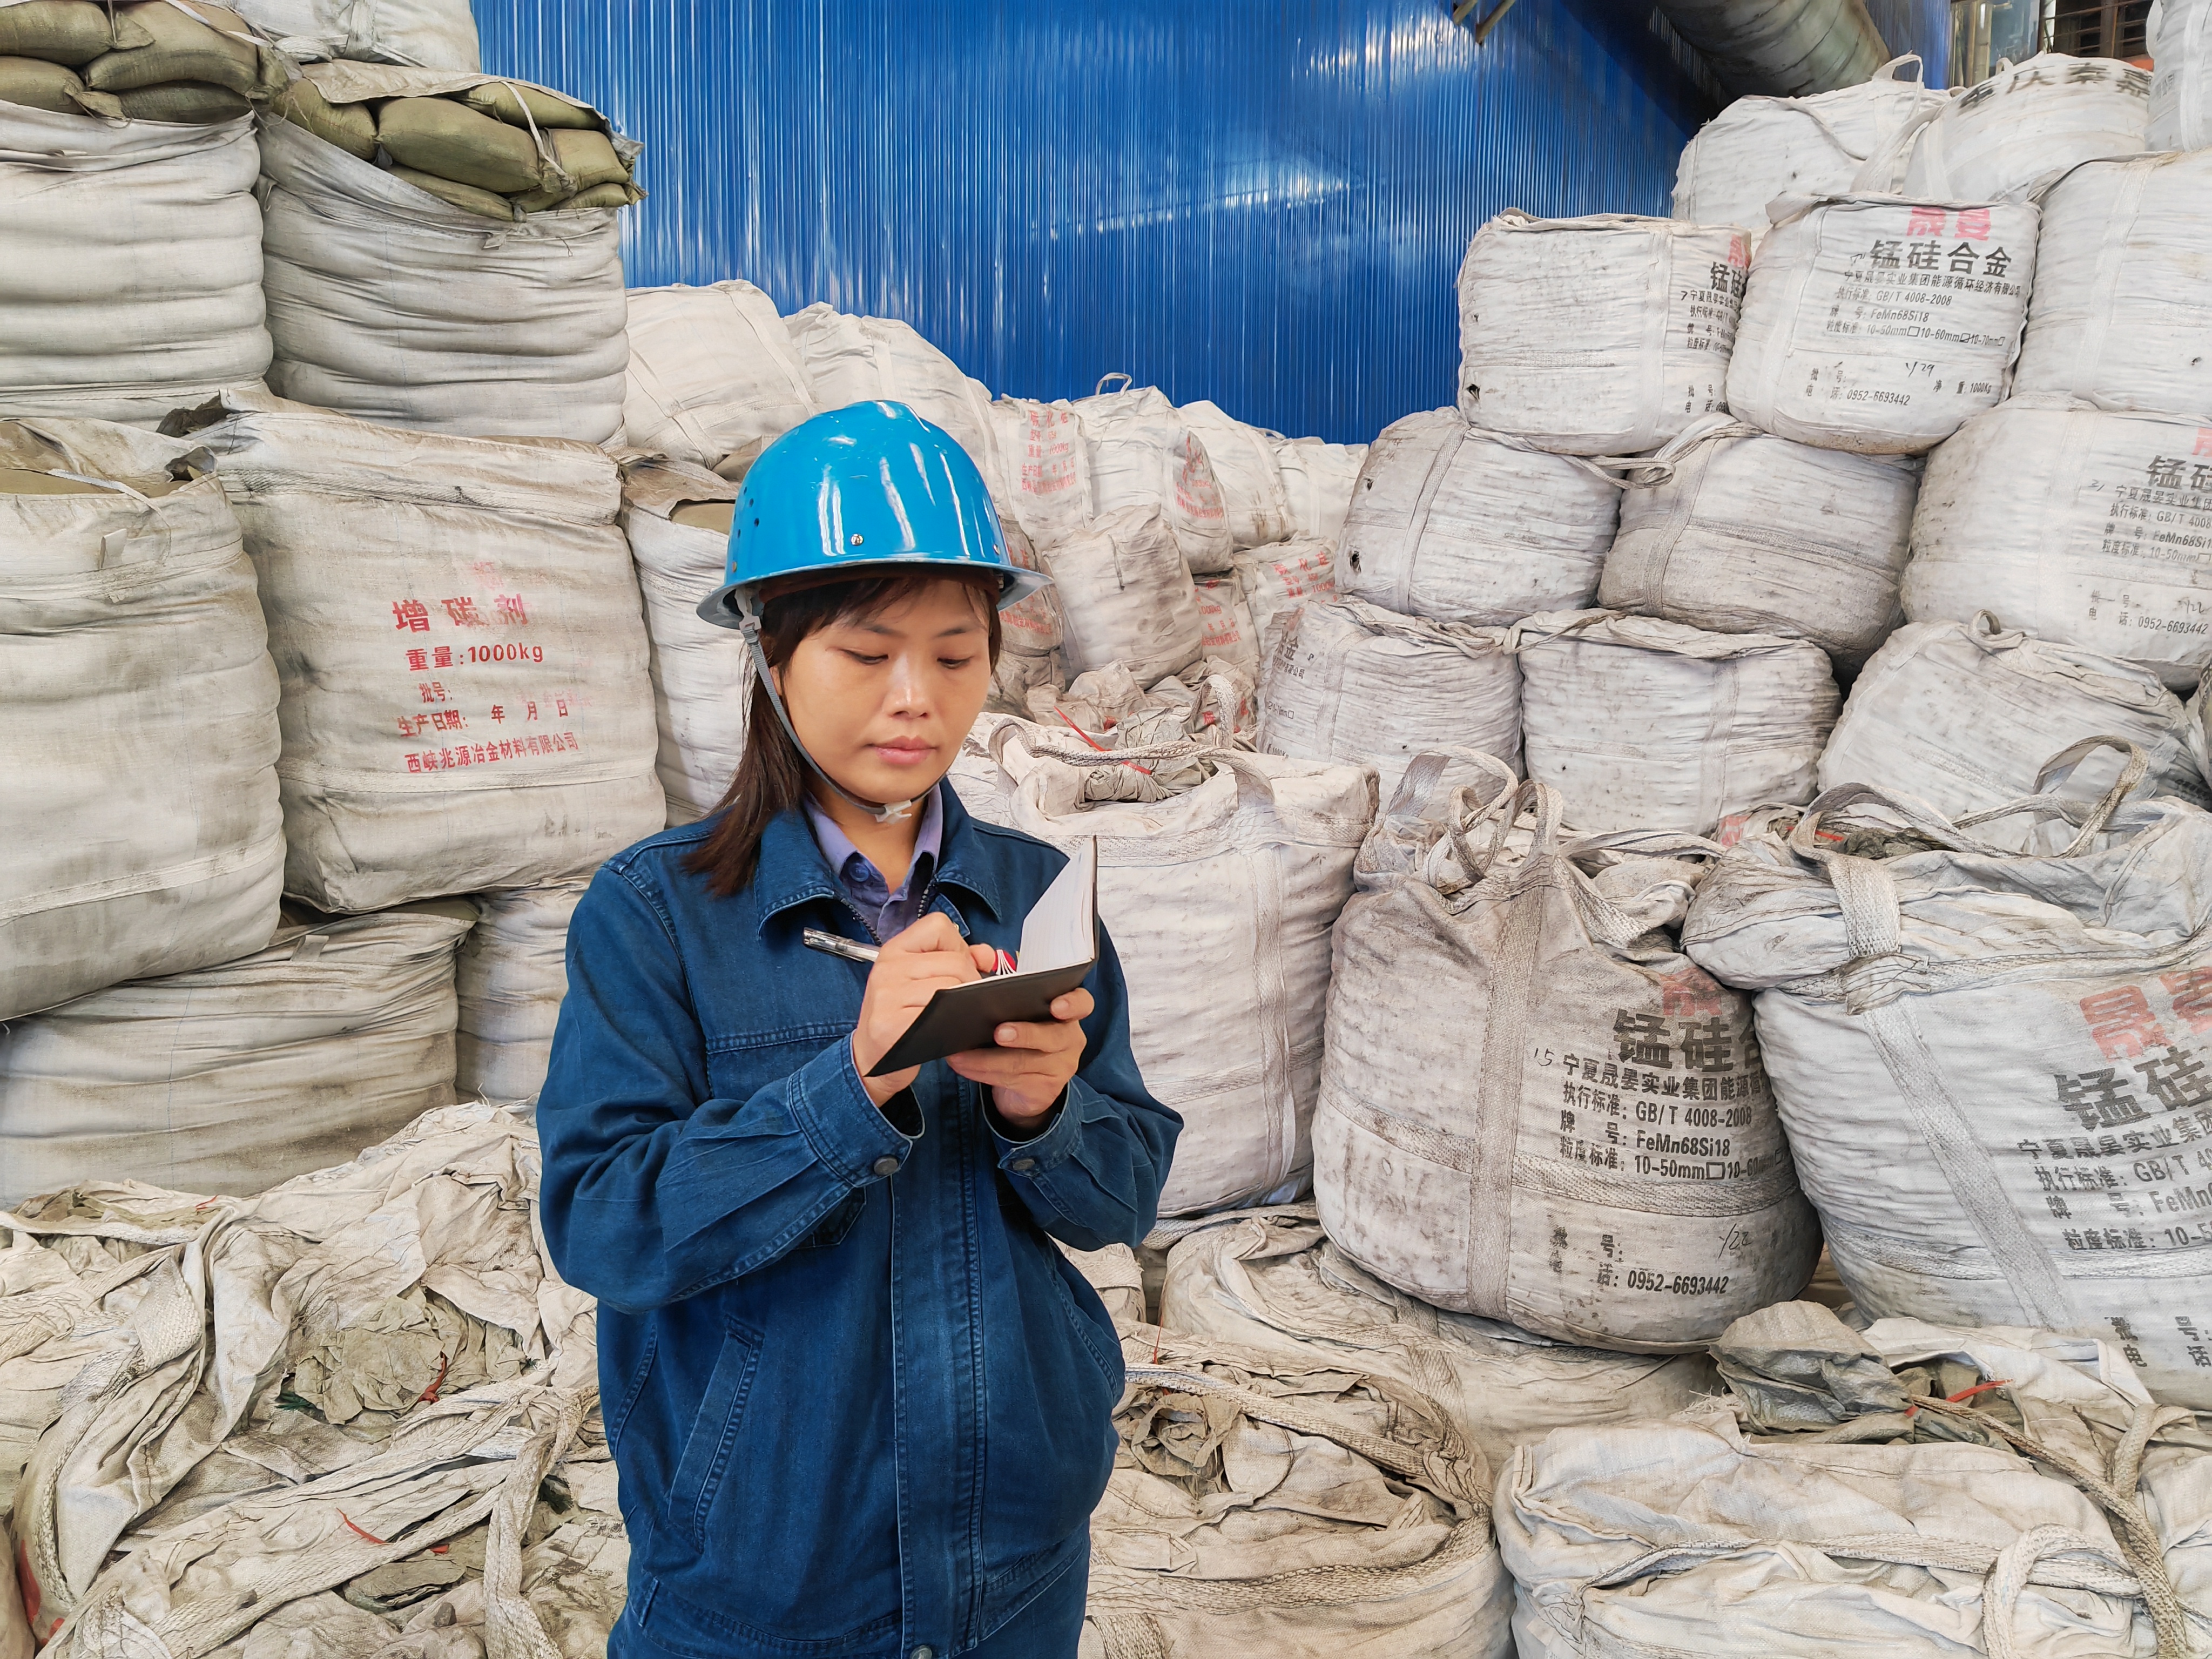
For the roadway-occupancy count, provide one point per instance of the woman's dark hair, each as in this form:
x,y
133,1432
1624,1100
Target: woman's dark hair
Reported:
x,y
772,776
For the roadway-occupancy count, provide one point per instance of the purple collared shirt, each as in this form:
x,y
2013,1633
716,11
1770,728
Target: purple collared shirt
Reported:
x,y
885,912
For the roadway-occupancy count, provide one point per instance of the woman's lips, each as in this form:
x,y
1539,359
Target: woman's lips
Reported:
x,y
903,754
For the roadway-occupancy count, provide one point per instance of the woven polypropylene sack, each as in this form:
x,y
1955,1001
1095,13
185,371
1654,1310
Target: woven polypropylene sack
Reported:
x,y
391,305
701,674
140,817
2083,527
1739,532
1354,682
132,277
1271,1279
1534,1108
852,360
1143,453
454,621
1046,463
1317,480
2021,128
1125,596
1646,724
2117,300
1224,897
230,1078
1279,582
1964,715
1598,336
1461,525
1229,634
1262,1504
1244,458
1759,148
1879,324
2199,713
713,372
433,33
510,978
1985,1058
2179,116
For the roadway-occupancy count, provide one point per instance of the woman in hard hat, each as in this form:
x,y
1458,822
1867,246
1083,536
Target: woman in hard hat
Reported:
x,y
860,1403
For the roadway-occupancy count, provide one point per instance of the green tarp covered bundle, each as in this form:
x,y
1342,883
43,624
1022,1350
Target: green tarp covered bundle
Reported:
x,y
175,61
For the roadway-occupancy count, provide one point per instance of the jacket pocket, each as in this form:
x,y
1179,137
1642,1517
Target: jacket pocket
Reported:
x,y
713,1432
1105,1352
619,1418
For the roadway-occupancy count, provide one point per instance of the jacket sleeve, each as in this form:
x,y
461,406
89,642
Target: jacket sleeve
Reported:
x,y
1093,1177
651,1191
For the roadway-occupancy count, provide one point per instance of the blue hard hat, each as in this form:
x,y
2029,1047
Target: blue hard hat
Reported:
x,y
870,488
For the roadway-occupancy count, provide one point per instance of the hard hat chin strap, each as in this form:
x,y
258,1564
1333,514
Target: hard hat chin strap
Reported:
x,y
882,811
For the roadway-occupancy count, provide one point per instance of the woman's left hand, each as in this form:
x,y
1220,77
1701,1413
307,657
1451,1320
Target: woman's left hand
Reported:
x,y
1029,1070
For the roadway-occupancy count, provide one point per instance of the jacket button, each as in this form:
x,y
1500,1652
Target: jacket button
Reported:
x,y
1023,1165
925,1652
885,1166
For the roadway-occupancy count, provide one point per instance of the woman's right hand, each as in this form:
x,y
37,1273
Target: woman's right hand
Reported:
x,y
912,967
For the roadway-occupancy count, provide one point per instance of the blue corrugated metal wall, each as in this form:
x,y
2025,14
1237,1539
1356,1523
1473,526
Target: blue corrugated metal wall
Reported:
x,y
1262,202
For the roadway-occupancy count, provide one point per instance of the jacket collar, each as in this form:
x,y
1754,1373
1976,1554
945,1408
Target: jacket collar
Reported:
x,y
793,871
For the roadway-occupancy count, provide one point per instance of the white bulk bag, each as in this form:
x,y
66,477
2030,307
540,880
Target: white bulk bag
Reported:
x,y
1278,582
1964,715
2083,527
1257,507
1506,1126
131,280
54,1331
1987,1060
1229,634
1318,479
1645,724
1452,522
1597,336
139,818
1143,453
1879,324
389,304
455,626
1125,596
855,360
713,374
1220,898
1266,1505
676,517
1270,1279
1759,148
1733,530
2022,127
1031,636
1046,463
433,33
1354,683
2118,307
2178,117
2200,731
511,974
230,1078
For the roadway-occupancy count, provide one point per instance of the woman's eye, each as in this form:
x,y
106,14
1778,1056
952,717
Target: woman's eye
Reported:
x,y
866,660
953,664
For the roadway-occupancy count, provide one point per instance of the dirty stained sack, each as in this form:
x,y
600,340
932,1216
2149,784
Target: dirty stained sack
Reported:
x,y
2023,127
1278,582
1144,454
509,979
712,375
1317,480
1125,595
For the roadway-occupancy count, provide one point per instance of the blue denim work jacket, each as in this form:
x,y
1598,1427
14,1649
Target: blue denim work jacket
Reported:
x,y
860,1402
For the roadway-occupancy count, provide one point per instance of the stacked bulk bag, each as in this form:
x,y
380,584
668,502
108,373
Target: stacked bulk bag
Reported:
x,y
140,814
1352,682
1597,336
1125,595
1229,634
1964,715
1880,325
1031,635
2179,115
1255,506
1221,897
388,301
2083,527
714,378
1461,525
1045,464
2116,311
132,279
512,973
677,518
431,34
1317,480
1645,724
455,626
1759,148
1534,1108
1106,712
1266,1505
1143,453
855,360
1278,582
1270,1281
1992,1063
1736,531
2021,128
230,1078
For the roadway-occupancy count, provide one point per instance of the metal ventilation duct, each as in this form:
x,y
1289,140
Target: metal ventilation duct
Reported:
x,y
1785,47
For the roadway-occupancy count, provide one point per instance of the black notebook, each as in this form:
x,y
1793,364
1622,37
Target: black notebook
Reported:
x,y
1060,947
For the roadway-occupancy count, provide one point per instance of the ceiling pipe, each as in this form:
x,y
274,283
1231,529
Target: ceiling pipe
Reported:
x,y
1786,48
